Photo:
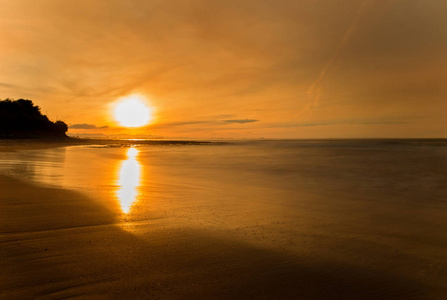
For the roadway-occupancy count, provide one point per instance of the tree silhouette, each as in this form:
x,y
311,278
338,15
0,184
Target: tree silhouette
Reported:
x,y
22,119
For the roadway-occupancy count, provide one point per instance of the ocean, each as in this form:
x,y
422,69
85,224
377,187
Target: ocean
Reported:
x,y
377,207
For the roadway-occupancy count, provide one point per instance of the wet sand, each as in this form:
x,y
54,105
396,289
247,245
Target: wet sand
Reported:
x,y
58,243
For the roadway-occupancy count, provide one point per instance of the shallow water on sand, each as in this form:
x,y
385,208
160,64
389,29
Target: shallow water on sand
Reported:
x,y
376,205
368,170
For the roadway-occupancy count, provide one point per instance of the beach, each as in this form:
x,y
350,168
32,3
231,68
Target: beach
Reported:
x,y
340,219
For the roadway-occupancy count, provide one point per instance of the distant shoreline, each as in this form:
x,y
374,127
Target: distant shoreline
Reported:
x,y
9,144
12,144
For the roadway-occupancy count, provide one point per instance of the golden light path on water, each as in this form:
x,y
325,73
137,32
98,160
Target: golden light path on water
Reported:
x,y
129,180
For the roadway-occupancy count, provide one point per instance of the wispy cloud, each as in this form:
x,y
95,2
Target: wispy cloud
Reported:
x,y
7,85
242,121
352,122
203,122
86,126
315,91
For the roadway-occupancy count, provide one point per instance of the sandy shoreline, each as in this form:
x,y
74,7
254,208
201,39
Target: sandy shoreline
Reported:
x,y
58,243
55,253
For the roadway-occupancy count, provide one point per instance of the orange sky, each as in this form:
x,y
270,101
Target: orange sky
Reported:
x,y
232,69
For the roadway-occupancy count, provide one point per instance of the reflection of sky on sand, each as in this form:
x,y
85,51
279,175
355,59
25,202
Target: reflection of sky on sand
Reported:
x,y
34,165
128,180
105,174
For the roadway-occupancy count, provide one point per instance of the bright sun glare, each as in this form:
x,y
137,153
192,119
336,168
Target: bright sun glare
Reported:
x,y
132,111
129,180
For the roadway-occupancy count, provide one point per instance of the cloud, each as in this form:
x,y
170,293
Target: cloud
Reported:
x,y
352,122
7,85
187,123
86,126
178,124
314,91
283,63
217,123
242,121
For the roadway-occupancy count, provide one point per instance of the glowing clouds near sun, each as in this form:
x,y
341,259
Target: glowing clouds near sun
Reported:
x,y
132,111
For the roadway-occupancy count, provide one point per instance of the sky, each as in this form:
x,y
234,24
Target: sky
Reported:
x,y
232,69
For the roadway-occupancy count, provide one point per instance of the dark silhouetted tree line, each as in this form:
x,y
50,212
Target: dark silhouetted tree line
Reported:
x,y
22,119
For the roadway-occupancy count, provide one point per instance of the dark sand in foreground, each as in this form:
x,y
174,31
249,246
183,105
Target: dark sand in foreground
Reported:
x,y
57,243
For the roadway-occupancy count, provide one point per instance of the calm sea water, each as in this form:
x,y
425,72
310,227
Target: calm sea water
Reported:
x,y
219,184
377,170
242,183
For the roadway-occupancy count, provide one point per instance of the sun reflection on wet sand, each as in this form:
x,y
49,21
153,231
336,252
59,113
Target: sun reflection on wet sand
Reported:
x,y
129,180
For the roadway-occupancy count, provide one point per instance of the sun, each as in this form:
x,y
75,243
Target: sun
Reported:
x,y
132,111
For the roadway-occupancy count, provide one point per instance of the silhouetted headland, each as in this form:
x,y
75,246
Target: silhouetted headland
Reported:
x,y
22,119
